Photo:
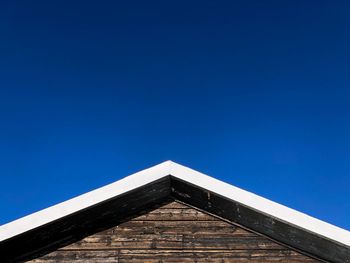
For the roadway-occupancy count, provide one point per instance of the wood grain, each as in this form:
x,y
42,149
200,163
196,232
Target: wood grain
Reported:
x,y
175,233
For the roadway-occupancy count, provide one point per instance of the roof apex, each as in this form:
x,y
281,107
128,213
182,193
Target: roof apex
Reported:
x,y
170,168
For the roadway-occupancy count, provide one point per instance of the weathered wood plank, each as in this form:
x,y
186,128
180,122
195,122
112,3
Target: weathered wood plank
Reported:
x,y
73,227
182,243
173,227
174,256
178,214
175,233
326,249
175,205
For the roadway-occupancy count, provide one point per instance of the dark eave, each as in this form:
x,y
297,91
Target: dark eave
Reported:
x,y
34,240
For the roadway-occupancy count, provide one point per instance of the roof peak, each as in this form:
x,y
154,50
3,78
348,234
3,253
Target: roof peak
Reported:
x,y
183,174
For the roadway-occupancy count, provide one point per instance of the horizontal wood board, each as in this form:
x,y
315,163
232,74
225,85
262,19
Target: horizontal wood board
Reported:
x,y
69,229
283,232
175,232
121,209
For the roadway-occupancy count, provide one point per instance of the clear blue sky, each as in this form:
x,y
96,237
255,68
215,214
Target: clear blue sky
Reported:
x,y
255,93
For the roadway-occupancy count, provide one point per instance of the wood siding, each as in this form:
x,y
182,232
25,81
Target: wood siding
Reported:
x,y
175,233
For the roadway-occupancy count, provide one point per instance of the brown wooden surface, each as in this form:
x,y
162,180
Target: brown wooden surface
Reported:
x,y
175,233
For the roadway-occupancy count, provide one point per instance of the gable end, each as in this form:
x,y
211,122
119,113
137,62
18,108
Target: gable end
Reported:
x,y
95,211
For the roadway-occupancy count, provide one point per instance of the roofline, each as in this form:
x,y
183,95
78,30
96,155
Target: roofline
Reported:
x,y
186,174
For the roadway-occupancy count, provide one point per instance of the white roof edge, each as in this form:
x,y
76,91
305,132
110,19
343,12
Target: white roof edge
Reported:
x,y
186,174
80,202
261,204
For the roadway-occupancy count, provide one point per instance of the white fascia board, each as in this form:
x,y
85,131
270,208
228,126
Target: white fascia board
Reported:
x,y
83,201
149,175
261,204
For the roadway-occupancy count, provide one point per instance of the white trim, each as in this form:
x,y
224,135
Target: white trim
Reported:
x,y
170,168
80,202
262,204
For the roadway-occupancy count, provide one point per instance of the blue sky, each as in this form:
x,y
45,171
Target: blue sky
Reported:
x,y
253,93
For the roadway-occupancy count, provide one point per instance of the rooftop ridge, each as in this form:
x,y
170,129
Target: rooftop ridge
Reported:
x,y
188,175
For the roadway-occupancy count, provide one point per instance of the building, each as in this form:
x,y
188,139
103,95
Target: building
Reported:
x,y
171,213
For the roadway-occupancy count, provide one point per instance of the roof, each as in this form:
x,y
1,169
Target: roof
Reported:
x,y
151,185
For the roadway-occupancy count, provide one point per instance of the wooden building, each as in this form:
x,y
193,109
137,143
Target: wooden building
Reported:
x,y
170,213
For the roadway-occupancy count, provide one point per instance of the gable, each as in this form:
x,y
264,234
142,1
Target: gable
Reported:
x,y
175,232
114,204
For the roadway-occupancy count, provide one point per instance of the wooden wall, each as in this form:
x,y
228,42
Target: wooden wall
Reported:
x,y
175,233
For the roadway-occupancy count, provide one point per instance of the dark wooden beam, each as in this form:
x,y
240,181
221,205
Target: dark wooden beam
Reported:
x,y
114,211
69,229
291,235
